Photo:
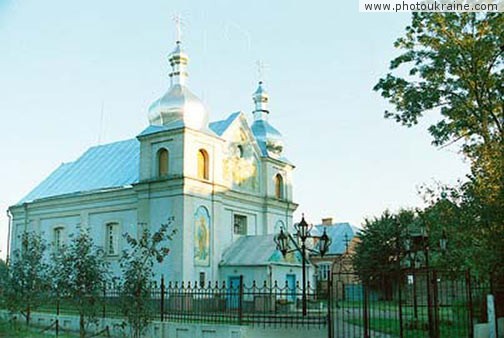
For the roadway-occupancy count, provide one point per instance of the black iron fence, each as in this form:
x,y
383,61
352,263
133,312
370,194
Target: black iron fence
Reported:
x,y
252,304
408,303
274,305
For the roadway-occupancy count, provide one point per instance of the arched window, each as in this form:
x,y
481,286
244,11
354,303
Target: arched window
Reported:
x,y
203,164
162,162
240,151
279,186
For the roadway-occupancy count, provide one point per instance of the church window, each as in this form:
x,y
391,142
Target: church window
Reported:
x,y
202,279
324,270
162,162
240,151
279,186
111,239
203,164
58,239
240,225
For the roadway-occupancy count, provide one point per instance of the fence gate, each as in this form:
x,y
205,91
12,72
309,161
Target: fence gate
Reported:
x,y
407,303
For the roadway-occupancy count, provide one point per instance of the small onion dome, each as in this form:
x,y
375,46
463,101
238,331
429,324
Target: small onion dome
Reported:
x,y
179,103
269,138
261,99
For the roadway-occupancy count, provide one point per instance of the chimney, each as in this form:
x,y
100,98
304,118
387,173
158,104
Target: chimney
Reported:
x,y
327,221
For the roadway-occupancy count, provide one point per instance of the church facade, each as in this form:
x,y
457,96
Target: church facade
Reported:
x,y
225,186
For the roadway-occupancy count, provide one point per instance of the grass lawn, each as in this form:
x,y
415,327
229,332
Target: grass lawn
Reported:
x,y
391,326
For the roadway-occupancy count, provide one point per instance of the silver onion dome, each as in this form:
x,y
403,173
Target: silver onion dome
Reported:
x,y
179,103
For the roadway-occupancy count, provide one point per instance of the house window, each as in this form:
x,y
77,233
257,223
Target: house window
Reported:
x,y
111,238
162,162
279,186
58,239
240,224
324,270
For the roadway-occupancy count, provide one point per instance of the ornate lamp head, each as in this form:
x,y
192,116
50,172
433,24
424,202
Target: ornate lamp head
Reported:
x,y
303,229
282,242
324,243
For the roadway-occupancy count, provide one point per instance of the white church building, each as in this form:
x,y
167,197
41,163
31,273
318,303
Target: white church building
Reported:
x,y
225,184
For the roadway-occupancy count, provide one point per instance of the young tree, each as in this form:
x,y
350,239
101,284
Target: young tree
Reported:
x,y
26,285
137,265
80,273
380,250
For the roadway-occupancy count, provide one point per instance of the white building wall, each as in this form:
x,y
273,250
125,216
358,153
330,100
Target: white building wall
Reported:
x,y
127,223
155,200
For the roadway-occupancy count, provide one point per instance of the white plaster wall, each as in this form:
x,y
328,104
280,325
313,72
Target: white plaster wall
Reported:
x,y
178,330
161,209
127,223
172,141
259,274
68,223
193,142
271,169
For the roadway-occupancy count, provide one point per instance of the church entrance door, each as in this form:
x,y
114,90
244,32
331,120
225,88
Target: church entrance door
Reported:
x,y
291,285
233,292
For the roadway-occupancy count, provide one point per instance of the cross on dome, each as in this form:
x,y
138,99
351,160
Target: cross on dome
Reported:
x,y
260,70
177,18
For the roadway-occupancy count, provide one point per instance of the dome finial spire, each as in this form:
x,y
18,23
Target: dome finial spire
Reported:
x,y
260,96
260,70
177,18
178,58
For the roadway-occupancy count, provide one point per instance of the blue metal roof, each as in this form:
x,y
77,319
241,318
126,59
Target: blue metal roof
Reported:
x,y
257,251
336,233
219,127
107,166
263,130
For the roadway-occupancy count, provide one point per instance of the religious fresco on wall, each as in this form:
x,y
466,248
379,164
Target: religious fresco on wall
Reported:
x,y
241,164
202,237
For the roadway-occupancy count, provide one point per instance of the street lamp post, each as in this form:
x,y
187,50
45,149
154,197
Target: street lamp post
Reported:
x,y
419,242
303,229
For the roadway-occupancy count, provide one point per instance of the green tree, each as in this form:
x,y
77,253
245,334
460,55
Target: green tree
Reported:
x,y
79,273
452,64
137,265
4,277
27,284
380,250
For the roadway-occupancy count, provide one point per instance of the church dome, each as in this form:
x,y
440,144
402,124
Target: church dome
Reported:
x,y
179,104
269,138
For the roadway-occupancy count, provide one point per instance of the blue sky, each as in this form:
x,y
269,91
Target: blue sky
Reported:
x,y
62,61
